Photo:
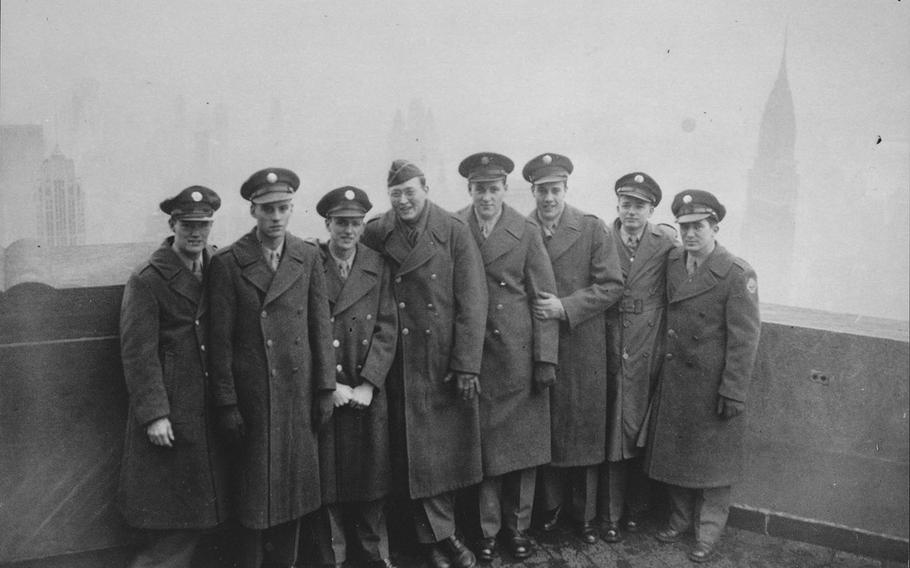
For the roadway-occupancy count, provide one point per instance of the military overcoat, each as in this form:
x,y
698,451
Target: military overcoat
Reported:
x,y
588,281
162,339
442,307
514,415
713,328
354,446
635,338
270,353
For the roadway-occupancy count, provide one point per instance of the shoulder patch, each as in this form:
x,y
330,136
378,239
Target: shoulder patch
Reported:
x,y
752,285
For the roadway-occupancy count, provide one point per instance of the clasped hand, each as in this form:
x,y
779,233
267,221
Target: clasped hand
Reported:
x,y
359,397
547,306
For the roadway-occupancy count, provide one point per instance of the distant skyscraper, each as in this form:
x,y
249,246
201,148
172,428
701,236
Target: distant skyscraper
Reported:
x,y
60,203
414,138
21,153
770,220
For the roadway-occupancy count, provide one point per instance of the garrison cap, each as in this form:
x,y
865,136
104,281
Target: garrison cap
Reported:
x,y
347,201
401,171
195,203
486,166
269,185
640,186
694,205
547,167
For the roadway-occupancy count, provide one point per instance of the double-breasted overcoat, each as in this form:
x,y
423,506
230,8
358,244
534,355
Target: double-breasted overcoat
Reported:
x,y
354,445
271,353
162,339
635,338
441,293
588,281
514,415
713,328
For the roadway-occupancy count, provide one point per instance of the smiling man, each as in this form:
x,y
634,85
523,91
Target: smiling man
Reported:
x,y
519,356
588,281
635,334
273,368
713,327
438,282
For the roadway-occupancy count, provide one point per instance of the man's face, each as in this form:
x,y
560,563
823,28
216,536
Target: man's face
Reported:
x,y
487,197
272,218
633,213
190,237
551,199
345,231
408,198
698,236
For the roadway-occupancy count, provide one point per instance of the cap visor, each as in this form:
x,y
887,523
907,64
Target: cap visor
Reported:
x,y
346,213
191,217
550,178
692,217
636,193
487,177
272,197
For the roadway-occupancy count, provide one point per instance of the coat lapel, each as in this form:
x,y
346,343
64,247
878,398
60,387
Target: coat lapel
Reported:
x,y
172,269
504,237
425,247
289,269
704,279
254,269
567,232
363,278
646,248
625,260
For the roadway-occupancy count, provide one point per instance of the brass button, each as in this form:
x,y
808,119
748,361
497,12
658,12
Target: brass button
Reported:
x,y
405,331
671,332
202,347
398,280
427,332
401,305
268,343
432,277
274,372
369,316
496,332
430,306
196,322
365,342
502,284
498,306
669,355
336,343
264,314
339,368
332,319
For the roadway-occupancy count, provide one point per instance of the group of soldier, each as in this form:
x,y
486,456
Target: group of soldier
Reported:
x,y
297,385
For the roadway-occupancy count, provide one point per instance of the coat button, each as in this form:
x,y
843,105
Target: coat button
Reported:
x,y
404,331
694,338
645,355
398,280
498,306
502,284
626,292
202,347
336,343
365,342
369,316
427,332
671,333
206,373
625,355
339,368
401,305
626,323
496,332
430,306
669,355
268,342
274,372
432,277
332,319
264,314
359,367
197,323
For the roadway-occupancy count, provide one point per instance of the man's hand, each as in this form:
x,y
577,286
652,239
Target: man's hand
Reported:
x,y
230,423
547,306
362,396
342,395
544,375
161,433
322,408
468,384
727,408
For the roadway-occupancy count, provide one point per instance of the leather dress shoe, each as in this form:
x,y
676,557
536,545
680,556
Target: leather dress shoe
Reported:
x,y
668,534
702,552
551,520
520,545
437,557
486,549
612,532
586,532
384,563
460,555
632,525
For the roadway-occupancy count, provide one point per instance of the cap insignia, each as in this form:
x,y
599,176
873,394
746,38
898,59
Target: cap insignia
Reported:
x,y
272,177
196,196
687,199
485,161
547,159
639,178
349,194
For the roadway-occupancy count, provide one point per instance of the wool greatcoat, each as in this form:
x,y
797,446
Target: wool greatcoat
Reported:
x,y
588,281
162,339
271,353
713,329
635,339
514,416
354,446
442,310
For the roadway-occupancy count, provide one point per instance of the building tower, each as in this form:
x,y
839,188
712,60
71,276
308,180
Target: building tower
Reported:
x,y
60,203
21,153
769,224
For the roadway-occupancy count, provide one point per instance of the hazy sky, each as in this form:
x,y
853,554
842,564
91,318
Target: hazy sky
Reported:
x,y
607,83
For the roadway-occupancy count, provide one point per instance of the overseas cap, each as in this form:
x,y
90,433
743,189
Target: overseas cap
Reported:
x,y
486,166
347,201
640,186
195,203
269,185
401,171
547,167
695,204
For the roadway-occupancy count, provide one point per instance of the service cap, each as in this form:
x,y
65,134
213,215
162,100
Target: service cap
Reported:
x,y
347,201
640,186
401,171
547,167
195,203
269,185
694,205
485,166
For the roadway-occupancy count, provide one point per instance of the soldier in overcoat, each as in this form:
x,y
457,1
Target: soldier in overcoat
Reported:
x,y
172,477
438,283
635,337
713,328
273,367
519,355
354,446
588,281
